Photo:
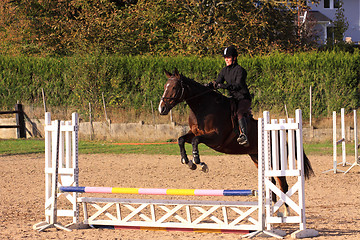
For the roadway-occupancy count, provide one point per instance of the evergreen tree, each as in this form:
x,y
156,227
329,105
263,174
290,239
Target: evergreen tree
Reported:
x,y
340,24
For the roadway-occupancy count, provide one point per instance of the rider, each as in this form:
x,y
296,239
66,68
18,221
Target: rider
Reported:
x,y
234,76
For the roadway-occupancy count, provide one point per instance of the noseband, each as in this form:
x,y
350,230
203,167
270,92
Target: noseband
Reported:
x,y
177,93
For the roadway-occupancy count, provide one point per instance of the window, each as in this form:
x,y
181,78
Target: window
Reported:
x,y
331,4
326,3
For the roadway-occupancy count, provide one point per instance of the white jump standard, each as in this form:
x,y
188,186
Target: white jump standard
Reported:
x,y
357,159
188,215
61,168
343,141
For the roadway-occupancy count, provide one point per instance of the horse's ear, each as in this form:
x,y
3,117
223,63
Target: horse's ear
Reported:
x,y
176,72
168,74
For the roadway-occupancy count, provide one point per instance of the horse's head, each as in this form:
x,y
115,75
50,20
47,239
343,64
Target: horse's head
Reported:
x,y
173,92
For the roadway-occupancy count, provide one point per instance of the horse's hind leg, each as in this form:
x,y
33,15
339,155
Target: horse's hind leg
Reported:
x,y
284,187
254,158
181,141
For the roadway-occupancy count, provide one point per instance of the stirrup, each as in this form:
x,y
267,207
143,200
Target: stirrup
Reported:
x,y
242,140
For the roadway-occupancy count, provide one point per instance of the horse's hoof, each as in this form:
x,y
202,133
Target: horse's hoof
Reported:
x,y
204,168
184,161
192,166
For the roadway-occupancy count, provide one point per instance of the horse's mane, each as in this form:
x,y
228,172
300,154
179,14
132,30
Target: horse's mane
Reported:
x,y
196,84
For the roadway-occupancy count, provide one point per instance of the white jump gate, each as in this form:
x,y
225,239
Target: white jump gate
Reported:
x,y
186,215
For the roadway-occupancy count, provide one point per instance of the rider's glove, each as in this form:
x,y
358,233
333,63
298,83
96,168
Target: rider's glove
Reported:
x,y
221,85
210,85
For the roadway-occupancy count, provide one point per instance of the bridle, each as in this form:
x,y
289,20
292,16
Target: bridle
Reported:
x,y
177,92
182,92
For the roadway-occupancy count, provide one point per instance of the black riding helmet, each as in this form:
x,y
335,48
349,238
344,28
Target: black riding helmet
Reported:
x,y
230,52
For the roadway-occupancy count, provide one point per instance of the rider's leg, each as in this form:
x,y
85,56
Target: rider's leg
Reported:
x,y
242,139
243,107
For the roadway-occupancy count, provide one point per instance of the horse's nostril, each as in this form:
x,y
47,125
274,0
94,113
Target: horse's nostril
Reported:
x,y
161,109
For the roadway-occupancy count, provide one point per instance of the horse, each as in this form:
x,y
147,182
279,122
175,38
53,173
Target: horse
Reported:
x,y
211,123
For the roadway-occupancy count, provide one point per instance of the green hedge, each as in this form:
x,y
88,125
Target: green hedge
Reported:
x,y
134,81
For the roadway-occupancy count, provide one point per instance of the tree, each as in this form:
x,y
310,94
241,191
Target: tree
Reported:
x,y
162,27
12,28
340,24
68,26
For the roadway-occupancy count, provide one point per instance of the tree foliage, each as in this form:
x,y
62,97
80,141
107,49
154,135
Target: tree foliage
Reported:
x,y
340,23
161,27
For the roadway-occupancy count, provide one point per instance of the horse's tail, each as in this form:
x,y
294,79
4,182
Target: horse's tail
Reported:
x,y
308,171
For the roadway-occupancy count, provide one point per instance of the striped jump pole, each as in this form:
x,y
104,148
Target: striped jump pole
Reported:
x,y
159,191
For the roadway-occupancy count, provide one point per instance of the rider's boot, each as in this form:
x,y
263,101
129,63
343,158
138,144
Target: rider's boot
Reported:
x,y
242,139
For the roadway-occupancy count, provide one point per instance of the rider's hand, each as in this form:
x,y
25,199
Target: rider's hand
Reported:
x,y
220,85
210,85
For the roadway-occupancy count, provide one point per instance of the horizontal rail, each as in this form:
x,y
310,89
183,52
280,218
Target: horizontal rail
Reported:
x,y
159,191
168,202
340,141
9,112
180,229
9,126
281,126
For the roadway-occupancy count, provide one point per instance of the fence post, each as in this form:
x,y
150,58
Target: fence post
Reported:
x,y
20,121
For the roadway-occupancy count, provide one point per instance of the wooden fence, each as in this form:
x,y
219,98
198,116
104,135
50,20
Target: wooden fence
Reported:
x,y
20,120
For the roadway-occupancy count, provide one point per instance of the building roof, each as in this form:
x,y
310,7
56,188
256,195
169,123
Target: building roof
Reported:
x,y
318,16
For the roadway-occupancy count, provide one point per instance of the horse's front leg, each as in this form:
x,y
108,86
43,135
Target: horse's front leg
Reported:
x,y
206,139
181,141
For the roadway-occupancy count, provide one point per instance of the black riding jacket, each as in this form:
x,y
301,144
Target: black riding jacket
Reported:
x,y
235,78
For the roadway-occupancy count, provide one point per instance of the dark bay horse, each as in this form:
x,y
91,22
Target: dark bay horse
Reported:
x,y
211,123
210,119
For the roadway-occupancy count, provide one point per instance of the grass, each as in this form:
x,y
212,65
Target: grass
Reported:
x,y
29,146
91,147
19,146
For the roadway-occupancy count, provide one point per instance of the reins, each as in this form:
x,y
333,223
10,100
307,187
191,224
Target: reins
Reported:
x,y
183,91
198,95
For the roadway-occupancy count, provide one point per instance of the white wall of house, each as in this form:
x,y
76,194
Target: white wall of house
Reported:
x,y
351,12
